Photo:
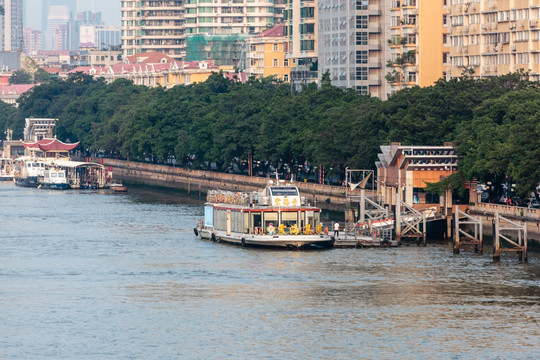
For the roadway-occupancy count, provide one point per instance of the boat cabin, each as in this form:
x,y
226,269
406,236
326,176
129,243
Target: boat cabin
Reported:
x,y
277,209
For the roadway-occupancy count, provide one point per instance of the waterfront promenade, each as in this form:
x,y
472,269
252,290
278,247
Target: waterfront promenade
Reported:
x,y
197,182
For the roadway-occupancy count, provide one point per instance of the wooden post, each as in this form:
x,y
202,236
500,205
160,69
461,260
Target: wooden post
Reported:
x,y
496,240
189,187
481,237
525,256
456,233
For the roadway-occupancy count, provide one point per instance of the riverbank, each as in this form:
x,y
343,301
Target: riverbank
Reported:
x,y
199,182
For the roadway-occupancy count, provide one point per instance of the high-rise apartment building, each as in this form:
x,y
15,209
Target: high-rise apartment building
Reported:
x,y
229,17
353,46
32,41
12,25
162,25
490,38
301,32
157,25
58,16
418,52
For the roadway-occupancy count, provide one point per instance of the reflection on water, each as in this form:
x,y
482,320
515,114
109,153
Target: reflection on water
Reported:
x,y
94,275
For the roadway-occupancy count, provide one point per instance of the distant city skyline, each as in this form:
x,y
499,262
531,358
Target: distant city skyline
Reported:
x,y
110,10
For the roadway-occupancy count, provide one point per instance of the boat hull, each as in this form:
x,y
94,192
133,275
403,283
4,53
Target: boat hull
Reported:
x,y
52,186
30,181
6,178
273,241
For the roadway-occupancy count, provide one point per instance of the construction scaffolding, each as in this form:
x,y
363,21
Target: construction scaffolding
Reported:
x,y
224,50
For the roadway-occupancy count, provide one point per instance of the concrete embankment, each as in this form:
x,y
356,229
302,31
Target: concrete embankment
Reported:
x,y
198,181
519,215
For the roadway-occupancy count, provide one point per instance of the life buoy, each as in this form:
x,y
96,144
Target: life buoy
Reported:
x,y
220,198
385,243
261,231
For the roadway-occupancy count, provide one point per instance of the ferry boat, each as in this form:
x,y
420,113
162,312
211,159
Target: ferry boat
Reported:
x,y
277,216
7,169
29,172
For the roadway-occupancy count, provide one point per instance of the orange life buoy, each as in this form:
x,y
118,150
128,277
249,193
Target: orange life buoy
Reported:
x,y
220,198
261,231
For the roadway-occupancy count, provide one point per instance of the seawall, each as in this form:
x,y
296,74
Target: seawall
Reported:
x,y
198,181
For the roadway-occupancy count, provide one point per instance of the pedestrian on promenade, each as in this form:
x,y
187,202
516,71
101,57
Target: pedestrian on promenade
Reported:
x,y
336,229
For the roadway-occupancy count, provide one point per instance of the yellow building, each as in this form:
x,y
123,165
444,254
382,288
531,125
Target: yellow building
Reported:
x,y
490,38
417,43
265,55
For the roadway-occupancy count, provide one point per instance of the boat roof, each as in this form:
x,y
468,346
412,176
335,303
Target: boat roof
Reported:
x,y
261,208
74,164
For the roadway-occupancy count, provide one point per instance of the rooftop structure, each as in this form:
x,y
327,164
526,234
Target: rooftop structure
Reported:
x,y
36,129
408,169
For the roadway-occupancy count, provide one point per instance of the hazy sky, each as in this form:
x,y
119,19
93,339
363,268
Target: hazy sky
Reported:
x,y
110,11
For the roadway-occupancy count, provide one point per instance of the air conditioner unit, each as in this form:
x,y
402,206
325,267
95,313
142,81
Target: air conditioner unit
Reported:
x,y
533,23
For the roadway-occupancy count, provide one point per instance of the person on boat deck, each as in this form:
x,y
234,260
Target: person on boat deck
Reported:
x,y
336,229
271,229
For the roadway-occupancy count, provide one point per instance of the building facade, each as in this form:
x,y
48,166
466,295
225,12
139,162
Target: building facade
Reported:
x,y
265,55
352,44
490,38
417,43
12,25
229,17
301,33
32,41
149,26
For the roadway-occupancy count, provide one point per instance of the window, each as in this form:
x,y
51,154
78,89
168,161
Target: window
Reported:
x,y
286,77
361,73
276,47
362,4
361,38
286,62
362,57
276,63
362,22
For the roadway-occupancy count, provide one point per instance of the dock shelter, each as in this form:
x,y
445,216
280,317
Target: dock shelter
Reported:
x,y
83,175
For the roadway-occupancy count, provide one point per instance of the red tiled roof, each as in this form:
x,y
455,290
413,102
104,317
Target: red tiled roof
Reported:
x,y
149,58
276,31
16,89
50,145
51,70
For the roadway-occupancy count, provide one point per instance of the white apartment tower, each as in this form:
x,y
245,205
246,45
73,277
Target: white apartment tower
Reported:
x,y
12,25
220,17
162,25
149,26
353,44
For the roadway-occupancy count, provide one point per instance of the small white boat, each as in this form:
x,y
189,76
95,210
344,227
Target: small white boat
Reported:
x,y
275,217
7,169
55,179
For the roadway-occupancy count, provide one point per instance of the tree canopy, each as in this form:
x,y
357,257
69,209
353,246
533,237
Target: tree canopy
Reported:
x,y
494,122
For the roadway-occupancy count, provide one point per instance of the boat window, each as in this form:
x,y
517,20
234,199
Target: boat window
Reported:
x,y
53,175
61,175
284,191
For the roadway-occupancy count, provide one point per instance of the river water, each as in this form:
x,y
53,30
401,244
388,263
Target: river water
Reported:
x,y
98,275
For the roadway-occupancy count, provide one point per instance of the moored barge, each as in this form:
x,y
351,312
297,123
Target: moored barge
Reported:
x,y
274,217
